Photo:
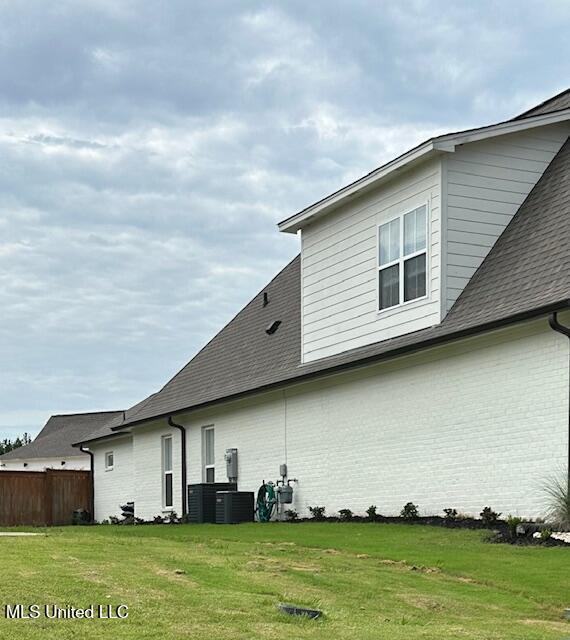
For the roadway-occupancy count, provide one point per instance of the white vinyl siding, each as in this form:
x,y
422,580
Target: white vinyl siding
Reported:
x,y
486,183
340,268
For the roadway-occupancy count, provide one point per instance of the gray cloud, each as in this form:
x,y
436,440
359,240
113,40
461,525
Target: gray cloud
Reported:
x,y
147,150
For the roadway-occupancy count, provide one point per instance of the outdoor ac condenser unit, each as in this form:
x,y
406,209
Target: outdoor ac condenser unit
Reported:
x,y
202,500
233,507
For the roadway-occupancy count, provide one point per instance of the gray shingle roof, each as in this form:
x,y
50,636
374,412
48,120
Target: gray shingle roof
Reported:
x,y
526,272
105,429
556,103
55,440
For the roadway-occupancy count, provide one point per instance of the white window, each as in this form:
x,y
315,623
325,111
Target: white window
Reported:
x,y
109,461
402,259
167,472
208,455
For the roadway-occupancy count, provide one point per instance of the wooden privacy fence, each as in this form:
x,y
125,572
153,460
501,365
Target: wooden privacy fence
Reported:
x,y
43,497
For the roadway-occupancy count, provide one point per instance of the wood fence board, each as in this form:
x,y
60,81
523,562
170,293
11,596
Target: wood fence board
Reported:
x,y
43,497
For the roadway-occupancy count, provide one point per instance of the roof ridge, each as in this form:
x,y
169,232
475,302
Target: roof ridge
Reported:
x,y
526,113
84,413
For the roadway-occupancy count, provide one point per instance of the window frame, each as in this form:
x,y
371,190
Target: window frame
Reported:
x,y
109,467
402,259
167,472
205,466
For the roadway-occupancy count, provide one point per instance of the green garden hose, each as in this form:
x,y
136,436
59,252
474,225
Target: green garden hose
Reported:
x,y
266,502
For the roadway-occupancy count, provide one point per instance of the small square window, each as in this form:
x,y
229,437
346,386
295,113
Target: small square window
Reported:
x,y
109,461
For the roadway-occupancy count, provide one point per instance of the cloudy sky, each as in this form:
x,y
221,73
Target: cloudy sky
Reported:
x,y
148,149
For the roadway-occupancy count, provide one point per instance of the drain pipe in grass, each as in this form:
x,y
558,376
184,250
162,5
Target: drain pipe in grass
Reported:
x,y
560,328
182,460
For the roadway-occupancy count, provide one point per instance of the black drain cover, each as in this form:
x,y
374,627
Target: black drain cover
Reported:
x,y
294,610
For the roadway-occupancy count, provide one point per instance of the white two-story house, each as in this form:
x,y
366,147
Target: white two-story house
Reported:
x,y
414,351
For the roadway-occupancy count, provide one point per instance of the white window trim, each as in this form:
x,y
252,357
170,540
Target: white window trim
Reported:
x,y
107,466
400,261
165,472
205,466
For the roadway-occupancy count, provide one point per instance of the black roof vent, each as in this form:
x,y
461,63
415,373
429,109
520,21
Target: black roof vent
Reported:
x,y
265,299
272,328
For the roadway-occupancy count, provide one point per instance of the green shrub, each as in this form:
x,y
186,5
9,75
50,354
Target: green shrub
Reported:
x,y
557,490
489,516
371,512
410,511
291,515
512,524
318,513
545,535
345,515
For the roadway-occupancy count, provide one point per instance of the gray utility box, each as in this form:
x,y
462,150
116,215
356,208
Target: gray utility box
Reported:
x,y
232,464
233,507
202,500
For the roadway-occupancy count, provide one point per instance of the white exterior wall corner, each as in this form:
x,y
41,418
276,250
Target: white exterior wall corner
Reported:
x,y
339,273
484,184
480,423
112,488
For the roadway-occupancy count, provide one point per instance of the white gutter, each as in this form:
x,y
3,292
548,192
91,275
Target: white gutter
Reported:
x,y
432,147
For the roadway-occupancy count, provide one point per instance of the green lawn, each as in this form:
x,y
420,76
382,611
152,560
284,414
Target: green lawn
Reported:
x,y
224,582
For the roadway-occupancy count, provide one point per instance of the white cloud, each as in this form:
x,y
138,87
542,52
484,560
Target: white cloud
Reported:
x,y
146,156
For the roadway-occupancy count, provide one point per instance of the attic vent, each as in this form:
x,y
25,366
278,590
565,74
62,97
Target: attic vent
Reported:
x,y
265,299
272,328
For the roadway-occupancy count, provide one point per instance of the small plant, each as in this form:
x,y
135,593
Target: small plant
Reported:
x,y
291,515
114,520
545,535
345,515
512,523
409,512
557,490
140,521
158,520
371,512
172,518
489,516
105,521
450,515
318,513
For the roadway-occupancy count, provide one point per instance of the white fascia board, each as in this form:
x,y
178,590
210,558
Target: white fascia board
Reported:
x,y
512,126
442,144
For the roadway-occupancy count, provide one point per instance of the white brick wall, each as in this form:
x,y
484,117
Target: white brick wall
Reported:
x,y
147,443
113,488
464,426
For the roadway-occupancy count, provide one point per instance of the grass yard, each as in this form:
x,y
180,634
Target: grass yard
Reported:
x,y
371,580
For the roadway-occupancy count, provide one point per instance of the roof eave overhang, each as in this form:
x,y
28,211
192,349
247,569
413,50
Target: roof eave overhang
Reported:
x,y
468,332
442,144
108,436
